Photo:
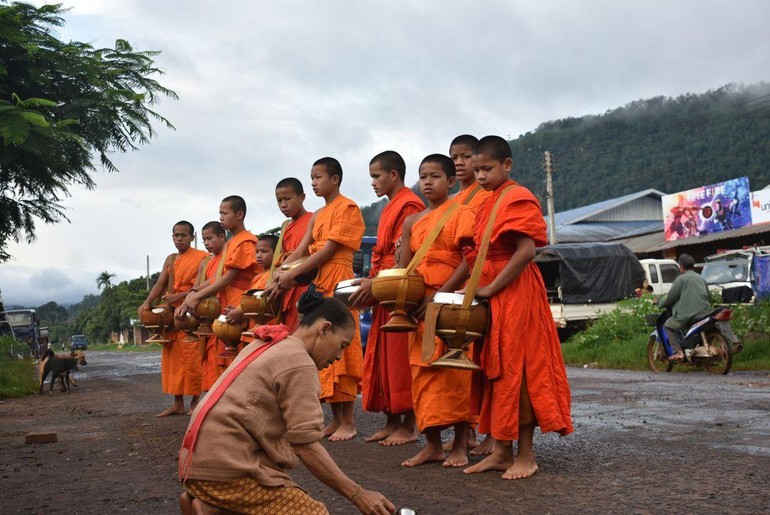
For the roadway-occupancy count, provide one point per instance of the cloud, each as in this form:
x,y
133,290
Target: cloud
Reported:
x,y
268,87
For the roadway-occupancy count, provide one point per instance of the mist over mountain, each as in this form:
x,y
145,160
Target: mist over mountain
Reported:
x,y
671,144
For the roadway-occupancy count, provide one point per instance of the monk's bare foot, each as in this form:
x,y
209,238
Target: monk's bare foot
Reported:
x,y
345,432
521,469
173,410
426,455
485,447
456,458
193,405
494,461
331,428
470,443
381,434
401,436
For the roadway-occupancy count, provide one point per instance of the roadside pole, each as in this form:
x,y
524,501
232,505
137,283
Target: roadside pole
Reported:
x,y
549,199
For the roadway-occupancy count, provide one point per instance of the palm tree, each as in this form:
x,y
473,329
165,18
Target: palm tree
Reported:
x,y
104,280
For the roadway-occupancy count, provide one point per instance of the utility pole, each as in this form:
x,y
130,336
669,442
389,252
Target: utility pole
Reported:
x,y
549,199
148,272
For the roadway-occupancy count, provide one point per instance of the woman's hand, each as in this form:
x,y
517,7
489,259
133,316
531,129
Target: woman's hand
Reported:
x,y
370,502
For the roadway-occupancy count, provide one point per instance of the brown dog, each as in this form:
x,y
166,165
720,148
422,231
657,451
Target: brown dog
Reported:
x,y
60,366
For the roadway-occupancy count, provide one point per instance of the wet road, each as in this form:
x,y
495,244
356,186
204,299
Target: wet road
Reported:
x,y
643,443
735,407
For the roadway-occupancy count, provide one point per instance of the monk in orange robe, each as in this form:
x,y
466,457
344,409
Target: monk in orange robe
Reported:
x,y
387,383
240,263
442,396
180,363
334,235
291,197
471,194
266,245
213,236
526,383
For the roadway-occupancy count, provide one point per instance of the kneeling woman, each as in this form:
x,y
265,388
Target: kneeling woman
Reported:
x,y
262,414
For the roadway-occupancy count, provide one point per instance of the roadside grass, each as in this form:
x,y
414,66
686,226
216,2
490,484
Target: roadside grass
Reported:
x,y
619,339
17,376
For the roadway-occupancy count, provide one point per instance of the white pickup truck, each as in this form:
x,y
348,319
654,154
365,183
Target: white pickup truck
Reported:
x,y
660,274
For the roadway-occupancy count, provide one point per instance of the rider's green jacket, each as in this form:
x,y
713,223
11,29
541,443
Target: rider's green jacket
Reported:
x,y
689,296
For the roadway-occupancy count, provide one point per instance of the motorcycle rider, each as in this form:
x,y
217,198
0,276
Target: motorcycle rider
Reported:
x,y
689,296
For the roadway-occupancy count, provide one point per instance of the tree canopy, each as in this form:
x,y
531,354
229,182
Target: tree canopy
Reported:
x,y
62,104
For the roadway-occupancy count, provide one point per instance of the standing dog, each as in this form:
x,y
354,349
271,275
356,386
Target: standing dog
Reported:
x,y
60,367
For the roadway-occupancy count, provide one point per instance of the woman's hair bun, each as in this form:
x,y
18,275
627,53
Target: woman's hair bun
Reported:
x,y
310,300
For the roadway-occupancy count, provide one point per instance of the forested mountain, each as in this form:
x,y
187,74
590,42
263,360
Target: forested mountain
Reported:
x,y
671,144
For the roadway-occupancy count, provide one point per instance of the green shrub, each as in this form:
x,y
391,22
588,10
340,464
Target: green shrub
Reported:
x,y
17,375
619,338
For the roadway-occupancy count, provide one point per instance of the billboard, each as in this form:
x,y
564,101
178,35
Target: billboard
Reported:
x,y
760,207
714,208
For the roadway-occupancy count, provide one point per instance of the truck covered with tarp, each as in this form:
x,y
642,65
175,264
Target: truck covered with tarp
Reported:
x,y
583,280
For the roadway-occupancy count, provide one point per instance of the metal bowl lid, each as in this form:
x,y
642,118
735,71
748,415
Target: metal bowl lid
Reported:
x,y
452,298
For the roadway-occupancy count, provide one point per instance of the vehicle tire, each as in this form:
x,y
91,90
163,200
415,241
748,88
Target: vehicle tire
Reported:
x,y
720,364
656,356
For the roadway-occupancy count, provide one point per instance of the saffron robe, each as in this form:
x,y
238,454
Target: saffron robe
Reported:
x,y
214,346
339,221
292,237
258,283
442,396
521,341
180,364
241,255
473,196
387,382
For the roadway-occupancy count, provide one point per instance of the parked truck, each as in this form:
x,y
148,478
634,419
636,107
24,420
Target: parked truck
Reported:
x,y
584,280
24,325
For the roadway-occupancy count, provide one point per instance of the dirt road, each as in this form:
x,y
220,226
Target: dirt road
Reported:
x,y
644,443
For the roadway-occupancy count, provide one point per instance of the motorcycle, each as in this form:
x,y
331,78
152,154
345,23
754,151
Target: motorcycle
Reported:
x,y
708,342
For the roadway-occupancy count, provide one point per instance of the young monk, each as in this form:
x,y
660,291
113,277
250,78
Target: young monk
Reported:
x,y
471,194
291,197
526,383
442,396
266,244
387,383
333,236
240,261
180,368
213,235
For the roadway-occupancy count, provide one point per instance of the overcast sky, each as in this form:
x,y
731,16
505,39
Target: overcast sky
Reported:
x,y
266,88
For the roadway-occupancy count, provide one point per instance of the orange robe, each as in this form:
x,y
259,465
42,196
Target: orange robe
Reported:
x,y
258,283
214,346
521,341
387,383
241,255
472,196
292,237
339,221
180,364
442,396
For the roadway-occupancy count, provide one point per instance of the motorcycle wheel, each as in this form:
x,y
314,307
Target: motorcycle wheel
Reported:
x,y
721,363
656,356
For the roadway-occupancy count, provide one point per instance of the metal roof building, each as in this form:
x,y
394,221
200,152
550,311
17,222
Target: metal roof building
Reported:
x,y
628,216
636,221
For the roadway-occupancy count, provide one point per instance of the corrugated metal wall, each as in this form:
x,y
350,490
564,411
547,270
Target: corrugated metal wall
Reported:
x,y
645,208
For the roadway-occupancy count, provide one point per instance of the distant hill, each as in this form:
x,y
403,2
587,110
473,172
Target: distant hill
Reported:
x,y
671,144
